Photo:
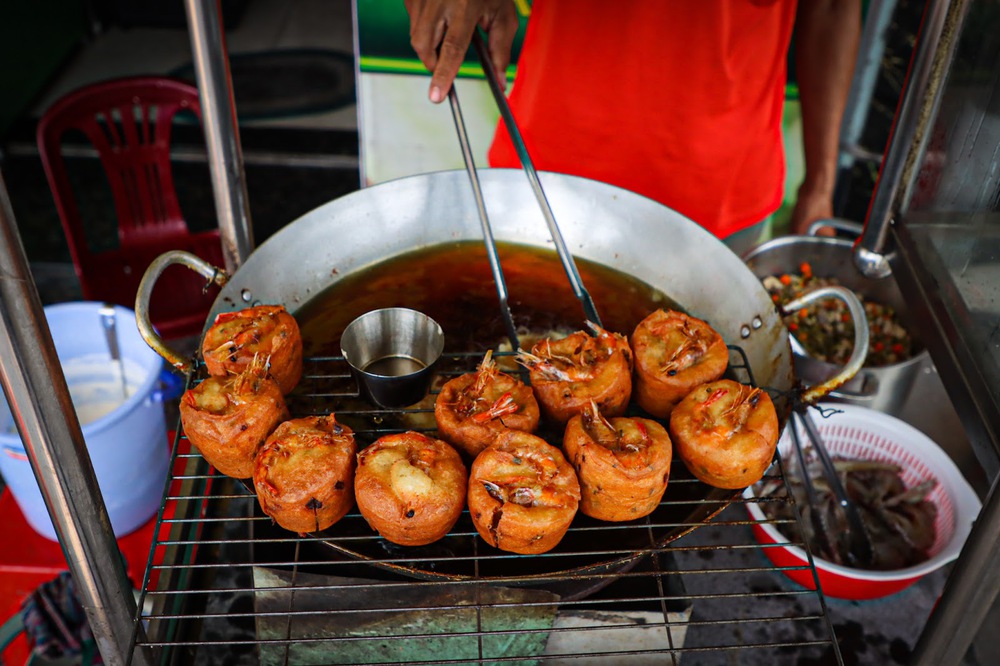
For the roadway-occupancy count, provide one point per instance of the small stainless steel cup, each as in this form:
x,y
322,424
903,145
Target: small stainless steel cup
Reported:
x,y
392,352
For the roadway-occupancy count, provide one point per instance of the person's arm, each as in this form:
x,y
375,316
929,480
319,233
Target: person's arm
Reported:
x,y
441,31
826,47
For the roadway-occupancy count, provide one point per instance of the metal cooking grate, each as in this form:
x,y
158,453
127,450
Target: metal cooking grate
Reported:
x,y
225,586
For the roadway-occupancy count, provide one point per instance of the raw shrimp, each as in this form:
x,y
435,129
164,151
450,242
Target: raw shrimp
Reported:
x,y
899,520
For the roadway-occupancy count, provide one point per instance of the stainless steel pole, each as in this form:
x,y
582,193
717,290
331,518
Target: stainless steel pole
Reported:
x,y
218,109
871,50
935,49
39,398
971,590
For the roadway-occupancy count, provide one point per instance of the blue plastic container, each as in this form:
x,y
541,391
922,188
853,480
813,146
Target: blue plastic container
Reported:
x,y
126,437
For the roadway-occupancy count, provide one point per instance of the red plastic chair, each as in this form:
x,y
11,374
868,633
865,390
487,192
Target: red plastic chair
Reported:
x,y
129,123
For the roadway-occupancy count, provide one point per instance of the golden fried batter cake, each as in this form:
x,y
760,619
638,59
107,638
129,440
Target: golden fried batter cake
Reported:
x,y
523,495
674,353
228,418
267,331
304,473
623,464
410,487
726,433
472,409
567,373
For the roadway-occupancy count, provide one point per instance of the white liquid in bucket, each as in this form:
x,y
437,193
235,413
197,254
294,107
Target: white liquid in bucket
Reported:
x,y
95,384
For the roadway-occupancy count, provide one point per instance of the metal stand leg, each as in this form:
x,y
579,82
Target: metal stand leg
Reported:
x,y
225,156
972,588
39,398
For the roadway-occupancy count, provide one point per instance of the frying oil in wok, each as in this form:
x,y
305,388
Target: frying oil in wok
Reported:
x,y
453,284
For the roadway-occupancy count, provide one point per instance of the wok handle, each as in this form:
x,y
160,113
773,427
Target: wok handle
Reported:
x,y
813,394
869,389
145,292
837,223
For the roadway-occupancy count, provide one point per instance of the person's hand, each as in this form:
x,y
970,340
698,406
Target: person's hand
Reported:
x,y
441,31
812,205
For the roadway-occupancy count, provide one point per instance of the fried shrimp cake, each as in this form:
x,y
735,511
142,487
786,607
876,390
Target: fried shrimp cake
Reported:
x,y
674,353
473,408
523,495
623,464
410,487
726,433
228,418
304,473
268,331
567,373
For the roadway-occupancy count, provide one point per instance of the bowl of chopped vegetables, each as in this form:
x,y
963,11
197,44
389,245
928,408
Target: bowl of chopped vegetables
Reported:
x,y
916,506
822,335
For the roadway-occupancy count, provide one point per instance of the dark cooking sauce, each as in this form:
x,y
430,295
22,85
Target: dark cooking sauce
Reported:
x,y
453,284
394,366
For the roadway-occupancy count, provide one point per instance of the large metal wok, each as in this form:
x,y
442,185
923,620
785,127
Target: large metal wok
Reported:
x,y
600,223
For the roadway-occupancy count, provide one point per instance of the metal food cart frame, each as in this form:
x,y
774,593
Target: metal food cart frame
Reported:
x,y
37,390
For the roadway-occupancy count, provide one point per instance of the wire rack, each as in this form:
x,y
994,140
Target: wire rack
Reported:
x,y
224,585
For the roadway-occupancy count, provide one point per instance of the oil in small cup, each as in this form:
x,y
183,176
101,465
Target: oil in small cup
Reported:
x,y
392,353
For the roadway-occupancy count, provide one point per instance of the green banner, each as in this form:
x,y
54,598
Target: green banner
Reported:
x,y
384,40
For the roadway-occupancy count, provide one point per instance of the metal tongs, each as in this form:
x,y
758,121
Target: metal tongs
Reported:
x,y
860,552
569,265
491,246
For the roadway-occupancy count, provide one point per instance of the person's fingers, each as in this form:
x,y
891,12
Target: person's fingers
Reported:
x,y
441,30
426,30
454,46
502,30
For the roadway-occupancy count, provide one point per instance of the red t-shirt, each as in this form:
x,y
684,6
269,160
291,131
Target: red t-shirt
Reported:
x,y
678,100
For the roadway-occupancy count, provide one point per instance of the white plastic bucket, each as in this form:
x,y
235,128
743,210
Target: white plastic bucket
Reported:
x,y
126,437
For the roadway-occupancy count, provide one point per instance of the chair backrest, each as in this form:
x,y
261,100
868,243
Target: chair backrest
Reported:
x,y
129,122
